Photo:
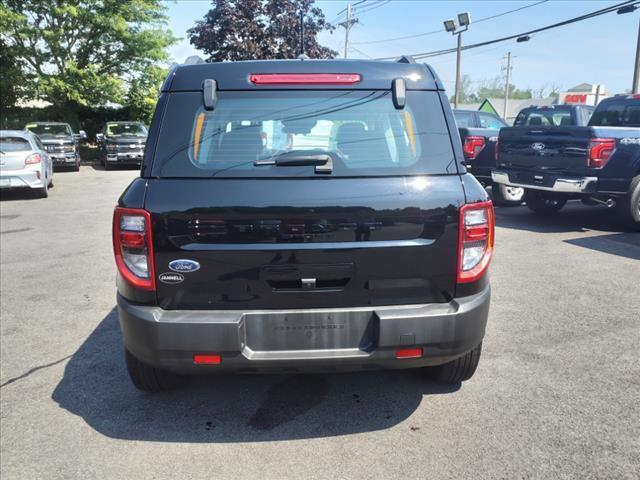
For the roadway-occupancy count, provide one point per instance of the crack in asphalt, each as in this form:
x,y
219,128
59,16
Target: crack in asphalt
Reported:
x,y
16,230
33,370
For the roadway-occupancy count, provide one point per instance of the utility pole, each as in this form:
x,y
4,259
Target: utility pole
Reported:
x,y
506,86
347,27
301,33
458,52
636,71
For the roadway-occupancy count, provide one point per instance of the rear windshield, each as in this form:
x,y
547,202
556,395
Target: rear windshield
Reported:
x,y
14,144
617,114
545,117
361,130
126,129
44,130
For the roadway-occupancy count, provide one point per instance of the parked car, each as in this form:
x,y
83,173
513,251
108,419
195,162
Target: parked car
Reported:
x,y
24,162
599,163
290,218
122,143
60,142
479,136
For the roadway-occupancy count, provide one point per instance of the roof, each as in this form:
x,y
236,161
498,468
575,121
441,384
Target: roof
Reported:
x,y
582,87
375,75
47,123
16,133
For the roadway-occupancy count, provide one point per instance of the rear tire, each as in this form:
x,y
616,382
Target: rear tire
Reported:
x,y
506,195
629,205
43,192
150,379
457,370
543,203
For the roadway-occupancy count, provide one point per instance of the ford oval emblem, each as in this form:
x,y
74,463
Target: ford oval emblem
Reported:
x,y
184,265
538,147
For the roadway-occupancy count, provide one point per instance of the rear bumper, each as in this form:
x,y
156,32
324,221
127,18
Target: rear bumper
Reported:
x,y
170,338
550,183
26,178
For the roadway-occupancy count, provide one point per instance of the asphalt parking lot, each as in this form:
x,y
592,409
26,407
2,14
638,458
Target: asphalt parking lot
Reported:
x,y
556,394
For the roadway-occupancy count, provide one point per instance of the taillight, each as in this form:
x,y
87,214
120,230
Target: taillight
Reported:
x,y
304,78
477,226
133,247
472,147
33,159
496,149
599,151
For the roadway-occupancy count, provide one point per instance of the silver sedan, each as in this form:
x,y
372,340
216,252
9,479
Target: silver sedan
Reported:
x,y
24,163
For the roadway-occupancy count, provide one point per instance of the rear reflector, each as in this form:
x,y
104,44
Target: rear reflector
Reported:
x,y
207,359
409,352
477,225
304,78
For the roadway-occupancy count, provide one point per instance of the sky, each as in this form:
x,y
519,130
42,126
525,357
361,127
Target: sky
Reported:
x,y
598,50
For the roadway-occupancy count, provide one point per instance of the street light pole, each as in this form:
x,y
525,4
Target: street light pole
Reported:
x,y
459,51
464,19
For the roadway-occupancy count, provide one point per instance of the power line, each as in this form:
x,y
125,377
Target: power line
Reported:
x,y
587,16
484,19
369,8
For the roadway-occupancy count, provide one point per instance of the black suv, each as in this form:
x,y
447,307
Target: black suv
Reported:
x,y
302,215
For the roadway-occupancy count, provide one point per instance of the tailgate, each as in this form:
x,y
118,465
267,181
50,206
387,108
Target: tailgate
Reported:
x,y
304,243
560,150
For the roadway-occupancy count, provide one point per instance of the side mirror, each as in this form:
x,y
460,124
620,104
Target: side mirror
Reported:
x,y
83,134
99,137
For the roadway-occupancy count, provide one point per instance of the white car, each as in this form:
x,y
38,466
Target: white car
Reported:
x,y
24,163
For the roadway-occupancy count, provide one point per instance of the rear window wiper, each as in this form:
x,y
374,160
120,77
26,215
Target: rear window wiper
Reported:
x,y
323,161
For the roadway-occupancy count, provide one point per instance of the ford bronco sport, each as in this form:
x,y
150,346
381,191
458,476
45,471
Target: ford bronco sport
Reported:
x,y
302,215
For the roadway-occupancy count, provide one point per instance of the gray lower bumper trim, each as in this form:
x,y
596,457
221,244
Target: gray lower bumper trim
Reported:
x,y
251,339
561,185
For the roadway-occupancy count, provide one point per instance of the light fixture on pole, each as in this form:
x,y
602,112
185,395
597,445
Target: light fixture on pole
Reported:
x,y
464,20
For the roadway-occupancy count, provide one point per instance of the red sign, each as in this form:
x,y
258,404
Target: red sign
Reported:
x,y
575,98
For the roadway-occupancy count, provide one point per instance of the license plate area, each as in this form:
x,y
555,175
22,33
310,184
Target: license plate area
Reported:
x,y
272,332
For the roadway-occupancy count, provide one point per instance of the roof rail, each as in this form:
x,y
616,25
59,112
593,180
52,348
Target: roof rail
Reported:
x,y
406,59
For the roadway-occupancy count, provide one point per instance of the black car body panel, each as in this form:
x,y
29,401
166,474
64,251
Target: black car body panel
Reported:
x,y
255,239
283,268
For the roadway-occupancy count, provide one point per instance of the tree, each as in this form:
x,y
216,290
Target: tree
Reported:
x,y
13,81
494,88
260,29
86,52
143,93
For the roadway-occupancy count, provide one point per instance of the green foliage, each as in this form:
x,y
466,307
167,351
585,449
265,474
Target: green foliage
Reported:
x,y
86,52
143,93
260,29
13,81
